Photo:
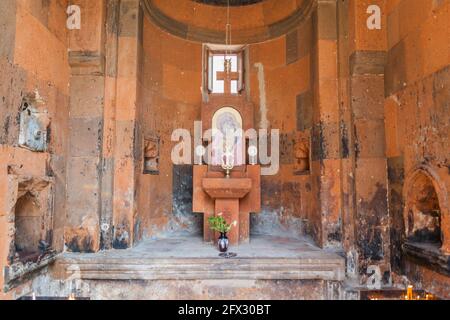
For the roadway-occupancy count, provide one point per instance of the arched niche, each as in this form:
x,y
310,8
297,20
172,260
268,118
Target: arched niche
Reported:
x,y
227,120
426,212
226,117
28,225
258,21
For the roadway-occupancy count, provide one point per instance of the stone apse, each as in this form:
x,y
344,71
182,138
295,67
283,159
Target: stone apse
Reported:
x,y
87,120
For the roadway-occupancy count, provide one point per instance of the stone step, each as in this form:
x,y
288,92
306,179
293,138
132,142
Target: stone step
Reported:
x,y
98,268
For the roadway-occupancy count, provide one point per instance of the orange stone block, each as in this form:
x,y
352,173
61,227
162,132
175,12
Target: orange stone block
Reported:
x,y
365,38
235,198
229,209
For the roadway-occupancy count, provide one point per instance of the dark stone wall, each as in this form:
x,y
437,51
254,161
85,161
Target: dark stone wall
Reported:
x,y
182,190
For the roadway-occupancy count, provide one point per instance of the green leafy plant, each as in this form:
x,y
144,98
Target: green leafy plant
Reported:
x,y
218,223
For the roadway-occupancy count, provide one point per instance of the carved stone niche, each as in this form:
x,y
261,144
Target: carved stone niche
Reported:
x,y
426,219
423,212
34,124
302,155
30,219
151,155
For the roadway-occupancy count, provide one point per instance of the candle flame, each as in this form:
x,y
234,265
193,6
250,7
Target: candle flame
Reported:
x,y
409,293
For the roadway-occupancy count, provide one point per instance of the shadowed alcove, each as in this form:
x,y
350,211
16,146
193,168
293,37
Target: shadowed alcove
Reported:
x,y
423,211
28,218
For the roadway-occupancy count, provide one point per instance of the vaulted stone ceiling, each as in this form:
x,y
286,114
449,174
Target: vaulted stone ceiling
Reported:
x,y
205,20
231,2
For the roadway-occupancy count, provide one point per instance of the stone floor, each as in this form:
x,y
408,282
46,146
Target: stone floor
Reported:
x,y
261,246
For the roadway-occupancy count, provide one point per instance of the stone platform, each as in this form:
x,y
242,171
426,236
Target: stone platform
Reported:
x,y
187,268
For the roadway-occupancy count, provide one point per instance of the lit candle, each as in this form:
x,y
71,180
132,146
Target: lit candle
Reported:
x,y
200,152
409,293
253,152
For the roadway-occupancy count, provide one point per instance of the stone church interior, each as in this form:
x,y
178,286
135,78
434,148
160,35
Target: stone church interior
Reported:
x,y
119,178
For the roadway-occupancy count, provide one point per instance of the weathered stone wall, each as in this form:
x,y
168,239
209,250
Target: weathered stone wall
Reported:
x,y
417,118
366,81
127,143
279,74
34,64
86,58
326,144
363,176
106,99
47,285
171,99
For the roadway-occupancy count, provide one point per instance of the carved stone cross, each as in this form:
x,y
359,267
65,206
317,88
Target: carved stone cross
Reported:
x,y
227,76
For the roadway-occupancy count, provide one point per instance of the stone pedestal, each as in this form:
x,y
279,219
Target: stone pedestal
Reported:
x,y
227,193
230,209
235,198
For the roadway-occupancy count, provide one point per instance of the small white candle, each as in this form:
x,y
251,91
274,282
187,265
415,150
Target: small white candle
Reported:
x,y
200,152
252,152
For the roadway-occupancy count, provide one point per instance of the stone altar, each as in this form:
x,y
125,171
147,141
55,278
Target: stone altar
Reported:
x,y
239,194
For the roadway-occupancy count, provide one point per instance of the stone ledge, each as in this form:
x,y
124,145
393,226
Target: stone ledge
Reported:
x,y
19,272
330,269
367,63
428,255
87,63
